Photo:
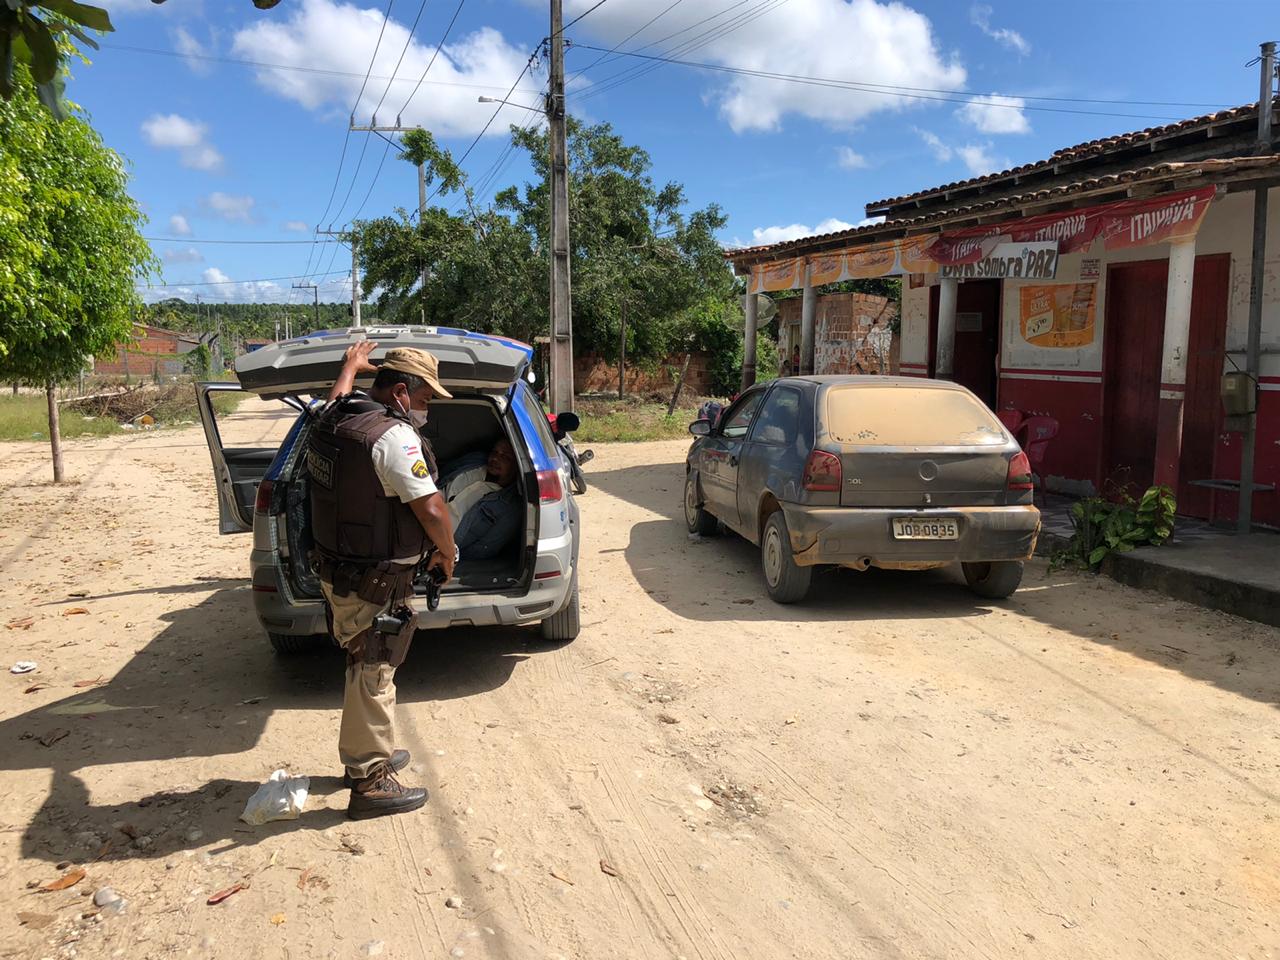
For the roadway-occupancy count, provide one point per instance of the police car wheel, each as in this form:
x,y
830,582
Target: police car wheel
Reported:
x,y
564,626
295,644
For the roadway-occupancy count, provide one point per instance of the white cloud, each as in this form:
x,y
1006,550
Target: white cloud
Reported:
x,y
170,131
231,206
297,226
219,286
189,255
996,114
941,152
342,37
980,160
851,40
178,226
794,231
190,48
848,159
980,16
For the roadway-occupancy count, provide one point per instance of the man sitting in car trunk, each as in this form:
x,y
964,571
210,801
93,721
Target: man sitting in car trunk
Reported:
x,y
484,503
376,512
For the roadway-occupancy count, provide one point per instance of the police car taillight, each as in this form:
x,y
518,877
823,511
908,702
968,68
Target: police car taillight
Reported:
x,y
262,503
549,487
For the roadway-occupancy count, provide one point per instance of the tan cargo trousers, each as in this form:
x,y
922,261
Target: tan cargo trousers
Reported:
x,y
367,734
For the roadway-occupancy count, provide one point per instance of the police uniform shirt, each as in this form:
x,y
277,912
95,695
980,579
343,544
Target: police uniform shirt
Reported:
x,y
398,461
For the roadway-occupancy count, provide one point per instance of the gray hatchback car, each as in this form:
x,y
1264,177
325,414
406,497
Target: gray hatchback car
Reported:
x,y
860,471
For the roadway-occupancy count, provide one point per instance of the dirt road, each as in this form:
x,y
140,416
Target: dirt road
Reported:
x,y
893,770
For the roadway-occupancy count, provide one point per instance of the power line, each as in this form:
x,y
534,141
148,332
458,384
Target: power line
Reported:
x,y
265,65
696,42
631,36
206,240
223,283
447,30
386,15
581,16
405,49
952,96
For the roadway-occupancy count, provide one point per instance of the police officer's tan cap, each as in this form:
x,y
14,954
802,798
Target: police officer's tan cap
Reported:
x,y
419,363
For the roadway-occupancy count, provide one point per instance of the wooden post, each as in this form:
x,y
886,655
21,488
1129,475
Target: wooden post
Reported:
x,y
622,355
684,368
55,434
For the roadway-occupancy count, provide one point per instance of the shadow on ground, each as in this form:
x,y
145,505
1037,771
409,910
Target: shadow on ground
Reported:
x,y
1235,655
206,686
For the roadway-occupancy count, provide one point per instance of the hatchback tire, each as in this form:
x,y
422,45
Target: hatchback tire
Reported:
x,y
564,626
295,644
995,580
787,581
696,519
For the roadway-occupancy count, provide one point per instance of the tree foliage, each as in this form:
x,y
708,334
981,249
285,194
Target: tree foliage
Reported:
x,y
632,243
36,36
70,243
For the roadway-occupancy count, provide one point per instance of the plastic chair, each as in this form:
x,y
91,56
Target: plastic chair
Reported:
x,y
1036,434
1012,419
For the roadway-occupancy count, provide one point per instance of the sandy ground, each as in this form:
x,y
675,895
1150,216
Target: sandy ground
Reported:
x,y
894,769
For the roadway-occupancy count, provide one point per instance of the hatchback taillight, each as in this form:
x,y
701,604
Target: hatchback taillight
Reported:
x,y
1019,473
549,487
822,471
262,503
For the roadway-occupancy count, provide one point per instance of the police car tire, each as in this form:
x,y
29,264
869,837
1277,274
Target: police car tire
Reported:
x,y
995,580
294,644
565,625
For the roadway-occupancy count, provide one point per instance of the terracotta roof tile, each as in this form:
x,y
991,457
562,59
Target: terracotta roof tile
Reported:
x,y
1083,150
1157,171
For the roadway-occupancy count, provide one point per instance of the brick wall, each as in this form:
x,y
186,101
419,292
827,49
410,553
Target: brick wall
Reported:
x,y
150,352
592,374
851,333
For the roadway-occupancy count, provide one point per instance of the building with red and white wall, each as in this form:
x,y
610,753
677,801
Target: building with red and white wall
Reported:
x,y
1106,287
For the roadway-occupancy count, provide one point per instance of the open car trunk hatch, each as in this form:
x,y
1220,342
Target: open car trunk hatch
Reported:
x,y
311,364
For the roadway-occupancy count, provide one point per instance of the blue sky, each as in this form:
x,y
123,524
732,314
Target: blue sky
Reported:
x,y
223,150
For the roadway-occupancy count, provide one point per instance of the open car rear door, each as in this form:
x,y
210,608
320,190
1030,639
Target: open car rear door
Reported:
x,y
238,470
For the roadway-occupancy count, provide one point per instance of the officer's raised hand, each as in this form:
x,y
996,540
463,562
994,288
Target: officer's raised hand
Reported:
x,y
354,363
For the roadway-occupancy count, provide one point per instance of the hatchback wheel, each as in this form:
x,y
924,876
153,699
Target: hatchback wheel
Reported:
x,y
995,580
695,518
786,580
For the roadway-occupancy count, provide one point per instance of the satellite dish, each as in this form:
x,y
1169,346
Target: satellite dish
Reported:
x,y
766,310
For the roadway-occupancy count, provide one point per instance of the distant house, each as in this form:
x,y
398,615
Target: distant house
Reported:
x,y
255,343
153,351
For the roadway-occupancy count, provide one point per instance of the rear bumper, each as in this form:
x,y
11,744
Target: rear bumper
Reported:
x,y
279,612
855,535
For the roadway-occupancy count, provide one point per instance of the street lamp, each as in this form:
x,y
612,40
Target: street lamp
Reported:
x,y
523,106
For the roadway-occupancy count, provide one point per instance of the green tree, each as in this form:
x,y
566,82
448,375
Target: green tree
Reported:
x,y
70,247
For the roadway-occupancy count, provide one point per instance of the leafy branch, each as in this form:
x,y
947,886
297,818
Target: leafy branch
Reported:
x,y
1105,526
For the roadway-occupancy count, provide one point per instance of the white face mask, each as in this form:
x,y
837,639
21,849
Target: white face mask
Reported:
x,y
417,417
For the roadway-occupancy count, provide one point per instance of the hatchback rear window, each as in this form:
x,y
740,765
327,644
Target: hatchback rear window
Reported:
x,y
909,416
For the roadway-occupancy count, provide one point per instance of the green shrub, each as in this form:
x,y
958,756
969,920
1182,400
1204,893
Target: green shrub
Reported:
x,y
1104,526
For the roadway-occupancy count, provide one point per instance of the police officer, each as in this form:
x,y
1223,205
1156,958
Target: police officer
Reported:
x,y
375,512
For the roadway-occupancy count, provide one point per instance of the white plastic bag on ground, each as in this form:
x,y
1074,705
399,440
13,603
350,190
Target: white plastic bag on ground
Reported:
x,y
281,798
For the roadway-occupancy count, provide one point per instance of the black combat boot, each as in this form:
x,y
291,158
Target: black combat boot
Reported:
x,y
380,793
399,760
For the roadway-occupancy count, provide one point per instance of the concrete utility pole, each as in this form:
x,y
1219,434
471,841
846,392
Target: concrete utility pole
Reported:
x,y
316,290
422,184
355,274
1244,513
561,307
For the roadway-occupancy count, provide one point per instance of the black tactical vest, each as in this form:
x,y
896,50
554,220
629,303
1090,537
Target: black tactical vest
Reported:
x,y
352,519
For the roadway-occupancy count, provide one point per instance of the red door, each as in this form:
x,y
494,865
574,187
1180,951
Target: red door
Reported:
x,y
1202,409
1131,372
977,336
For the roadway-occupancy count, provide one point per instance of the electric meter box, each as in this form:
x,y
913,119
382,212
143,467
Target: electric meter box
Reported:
x,y
1239,394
